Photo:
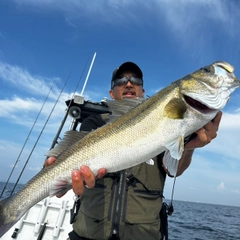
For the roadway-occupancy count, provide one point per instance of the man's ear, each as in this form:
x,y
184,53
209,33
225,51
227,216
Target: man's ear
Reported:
x,y
111,93
143,91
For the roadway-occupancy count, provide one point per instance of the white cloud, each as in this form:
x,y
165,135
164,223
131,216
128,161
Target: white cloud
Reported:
x,y
221,186
185,11
27,109
108,11
230,120
226,145
23,80
31,111
17,105
36,169
235,191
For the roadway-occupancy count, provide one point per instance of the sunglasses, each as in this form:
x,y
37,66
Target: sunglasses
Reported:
x,y
124,80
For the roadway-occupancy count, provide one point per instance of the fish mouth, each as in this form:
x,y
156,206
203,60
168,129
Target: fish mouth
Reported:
x,y
200,107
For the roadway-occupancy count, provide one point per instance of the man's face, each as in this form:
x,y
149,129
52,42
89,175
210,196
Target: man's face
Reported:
x,y
128,90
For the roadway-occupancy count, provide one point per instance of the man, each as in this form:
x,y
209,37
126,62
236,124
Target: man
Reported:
x,y
126,205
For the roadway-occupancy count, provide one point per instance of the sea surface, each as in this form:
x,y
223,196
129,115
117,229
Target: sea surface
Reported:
x,y
201,221
8,189
193,221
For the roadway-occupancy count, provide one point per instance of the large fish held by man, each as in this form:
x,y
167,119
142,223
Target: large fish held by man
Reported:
x,y
149,127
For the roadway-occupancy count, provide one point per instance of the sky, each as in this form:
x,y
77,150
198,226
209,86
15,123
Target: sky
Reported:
x,y
46,47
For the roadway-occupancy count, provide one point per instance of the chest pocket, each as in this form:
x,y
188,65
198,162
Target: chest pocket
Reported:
x,y
144,198
94,202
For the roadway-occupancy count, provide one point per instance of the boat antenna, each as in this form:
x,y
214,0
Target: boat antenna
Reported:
x,y
40,135
55,140
84,85
10,175
89,70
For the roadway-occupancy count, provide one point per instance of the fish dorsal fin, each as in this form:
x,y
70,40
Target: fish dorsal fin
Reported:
x,y
69,139
120,107
175,109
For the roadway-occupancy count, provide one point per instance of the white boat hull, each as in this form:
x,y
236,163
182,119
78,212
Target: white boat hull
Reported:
x,y
55,212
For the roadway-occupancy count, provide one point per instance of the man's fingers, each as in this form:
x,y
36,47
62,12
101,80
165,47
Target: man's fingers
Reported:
x,y
82,177
199,141
216,121
77,182
49,161
87,176
214,124
101,172
203,137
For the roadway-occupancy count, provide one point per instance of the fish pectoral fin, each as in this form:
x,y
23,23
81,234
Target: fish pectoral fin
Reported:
x,y
69,139
175,109
60,187
170,163
176,147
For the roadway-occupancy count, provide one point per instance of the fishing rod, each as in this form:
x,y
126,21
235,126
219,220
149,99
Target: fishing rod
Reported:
x,y
10,175
39,135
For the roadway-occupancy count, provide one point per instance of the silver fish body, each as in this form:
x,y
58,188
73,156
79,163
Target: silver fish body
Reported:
x,y
155,125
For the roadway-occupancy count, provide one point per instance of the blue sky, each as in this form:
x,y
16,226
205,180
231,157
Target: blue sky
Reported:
x,y
43,41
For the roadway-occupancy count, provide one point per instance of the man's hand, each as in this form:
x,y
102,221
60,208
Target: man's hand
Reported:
x,y
80,178
84,176
206,134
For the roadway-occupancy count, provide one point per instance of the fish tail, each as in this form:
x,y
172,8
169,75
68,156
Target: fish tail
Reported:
x,y
6,222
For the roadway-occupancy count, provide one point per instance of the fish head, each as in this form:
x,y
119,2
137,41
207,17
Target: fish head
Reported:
x,y
209,88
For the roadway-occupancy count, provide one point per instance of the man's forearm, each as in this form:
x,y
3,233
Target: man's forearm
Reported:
x,y
185,161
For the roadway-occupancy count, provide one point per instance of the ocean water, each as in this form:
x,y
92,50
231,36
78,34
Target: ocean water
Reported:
x,y
193,221
8,189
200,221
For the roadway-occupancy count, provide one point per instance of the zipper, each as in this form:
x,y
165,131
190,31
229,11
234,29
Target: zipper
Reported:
x,y
119,195
118,204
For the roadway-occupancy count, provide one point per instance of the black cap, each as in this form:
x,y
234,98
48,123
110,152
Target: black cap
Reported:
x,y
127,66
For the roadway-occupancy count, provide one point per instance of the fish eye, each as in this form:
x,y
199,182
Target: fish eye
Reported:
x,y
205,69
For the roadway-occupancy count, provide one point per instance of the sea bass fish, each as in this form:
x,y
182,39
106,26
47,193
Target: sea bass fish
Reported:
x,y
149,127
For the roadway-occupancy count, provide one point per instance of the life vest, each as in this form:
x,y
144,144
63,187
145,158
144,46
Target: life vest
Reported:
x,y
126,203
